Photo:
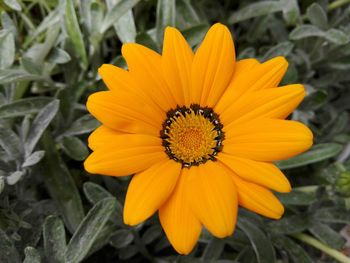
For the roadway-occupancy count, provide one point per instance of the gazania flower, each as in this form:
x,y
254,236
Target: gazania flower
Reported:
x,y
199,131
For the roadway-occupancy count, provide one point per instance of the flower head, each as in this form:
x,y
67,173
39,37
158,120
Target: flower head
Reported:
x,y
199,131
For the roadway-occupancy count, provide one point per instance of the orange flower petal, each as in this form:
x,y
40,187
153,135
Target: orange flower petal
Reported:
x,y
268,103
213,198
124,112
262,173
145,66
255,77
116,78
105,137
178,221
267,139
213,66
123,161
148,190
176,64
257,199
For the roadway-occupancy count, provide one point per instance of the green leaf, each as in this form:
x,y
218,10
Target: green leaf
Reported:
x,y
23,107
291,224
146,40
83,125
54,239
11,143
151,234
60,185
8,253
31,255
39,51
125,25
291,11
88,230
40,123
314,101
296,198
58,56
281,49
317,153
187,14
332,35
31,66
194,35
121,238
7,49
332,215
13,4
213,250
116,13
295,251
95,193
255,10
13,178
33,159
18,75
74,148
166,16
317,16
74,32
327,235
337,36
261,244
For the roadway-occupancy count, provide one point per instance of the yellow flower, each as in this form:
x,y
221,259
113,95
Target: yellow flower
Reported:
x,y
199,131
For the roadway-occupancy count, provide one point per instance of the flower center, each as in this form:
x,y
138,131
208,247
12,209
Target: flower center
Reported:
x,y
192,135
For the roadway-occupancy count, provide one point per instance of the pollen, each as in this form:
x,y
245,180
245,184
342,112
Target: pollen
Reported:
x,y
192,135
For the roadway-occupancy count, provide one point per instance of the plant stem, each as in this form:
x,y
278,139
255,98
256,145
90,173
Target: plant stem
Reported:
x,y
323,247
337,4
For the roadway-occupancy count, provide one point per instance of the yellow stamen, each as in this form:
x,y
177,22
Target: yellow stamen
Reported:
x,y
192,137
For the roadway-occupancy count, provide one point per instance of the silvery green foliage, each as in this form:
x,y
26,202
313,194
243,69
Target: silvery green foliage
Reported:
x,y
52,211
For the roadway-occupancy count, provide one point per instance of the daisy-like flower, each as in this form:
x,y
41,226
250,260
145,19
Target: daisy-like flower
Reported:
x,y
200,133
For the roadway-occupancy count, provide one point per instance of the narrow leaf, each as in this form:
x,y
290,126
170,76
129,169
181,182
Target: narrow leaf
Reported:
x,y
33,159
74,32
166,16
296,198
317,153
23,107
281,49
261,244
83,125
40,123
54,239
58,56
7,49
255,10
13,4
125,25
95,193
18,75
295,251
88,230
116,13
326,234
60,185
74,148
11,143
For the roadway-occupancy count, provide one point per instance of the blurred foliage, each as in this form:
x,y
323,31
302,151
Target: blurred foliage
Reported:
x,y
52,211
